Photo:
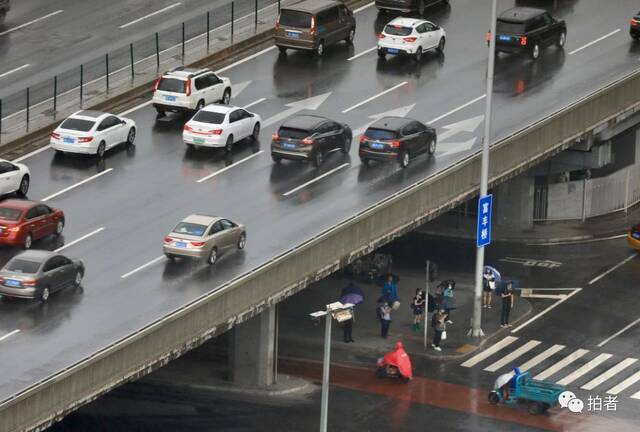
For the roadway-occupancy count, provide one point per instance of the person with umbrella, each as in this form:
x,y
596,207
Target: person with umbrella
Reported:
x,y
354,295
488,285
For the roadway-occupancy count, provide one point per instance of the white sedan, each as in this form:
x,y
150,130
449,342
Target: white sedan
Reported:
x,y
14,177
410,36
221,126
92,132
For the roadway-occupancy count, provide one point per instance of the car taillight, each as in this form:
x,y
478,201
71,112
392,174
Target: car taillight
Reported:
x,y
381,36
1,281
189,87
395,144
216,131
29,282
275,137
197,243
633,21
312,30
55,135
307,141
487,36
410,39
363,139
523,40
188,128
168,239
85,139
157,84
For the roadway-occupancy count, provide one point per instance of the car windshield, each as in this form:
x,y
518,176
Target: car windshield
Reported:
x,y
397,30
77,124
380,134
10,213
190,229
286,132
291,18
209,117
510,27
18,265
173,85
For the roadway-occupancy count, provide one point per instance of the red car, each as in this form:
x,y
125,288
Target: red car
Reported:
x,y
22,222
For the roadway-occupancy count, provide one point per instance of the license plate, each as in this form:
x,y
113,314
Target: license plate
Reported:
x,y
504,38
170,98
181,244
12,283
377,146
392,50
198,140
294,35
69,140
289,146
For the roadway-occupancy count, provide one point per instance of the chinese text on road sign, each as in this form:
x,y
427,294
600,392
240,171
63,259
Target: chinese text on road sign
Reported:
x,y
484,221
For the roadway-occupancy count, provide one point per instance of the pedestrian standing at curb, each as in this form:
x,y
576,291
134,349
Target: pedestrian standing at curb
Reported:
x,y
385,319
390,290
488,285
348,327
448,302
507,304
418,308
438,322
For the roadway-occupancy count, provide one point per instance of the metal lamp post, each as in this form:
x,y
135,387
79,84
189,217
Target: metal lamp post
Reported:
x,y
340,312
476,325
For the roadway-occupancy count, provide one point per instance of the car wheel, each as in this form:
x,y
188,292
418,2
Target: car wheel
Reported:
x,y
318,158
320,49
283,50
242,241
131,136
170,256
405,380
59,227
562,39
24,186
536,408
199,105
228,147
28,241
161,113
421,7
432,146
346,147
535,51
191,146
364,161
351,36
441,45
226,97
381,53
213,256
418,55
44,295
78,279
276,159
256,132
102,147
404,159
493,398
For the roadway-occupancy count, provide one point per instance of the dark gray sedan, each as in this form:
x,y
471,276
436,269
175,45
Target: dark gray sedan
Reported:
x,y
35,274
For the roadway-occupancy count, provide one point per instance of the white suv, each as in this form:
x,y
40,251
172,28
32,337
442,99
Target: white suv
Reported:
x,y
187,89
409,36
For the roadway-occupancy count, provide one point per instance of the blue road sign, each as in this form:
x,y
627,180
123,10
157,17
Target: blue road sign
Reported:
x,y
483,237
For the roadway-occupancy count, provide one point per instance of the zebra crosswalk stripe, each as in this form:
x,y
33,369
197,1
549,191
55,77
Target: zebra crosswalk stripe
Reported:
x,y
609,373
489,351
512,356
624,384
562,363
541,357
584,369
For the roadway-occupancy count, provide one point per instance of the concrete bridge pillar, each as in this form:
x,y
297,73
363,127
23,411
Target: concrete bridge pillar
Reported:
x,y
253,350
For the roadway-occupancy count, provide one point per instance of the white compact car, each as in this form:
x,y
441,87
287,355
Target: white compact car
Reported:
x,y
14,177
409,36
220,126
92,132
188,89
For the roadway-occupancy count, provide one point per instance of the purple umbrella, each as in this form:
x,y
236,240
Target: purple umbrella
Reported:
x,y
352,298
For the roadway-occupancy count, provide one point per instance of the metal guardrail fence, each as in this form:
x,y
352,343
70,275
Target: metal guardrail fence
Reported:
x,y
89,80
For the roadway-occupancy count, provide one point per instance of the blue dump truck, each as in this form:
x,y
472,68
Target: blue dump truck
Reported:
x,y
520,388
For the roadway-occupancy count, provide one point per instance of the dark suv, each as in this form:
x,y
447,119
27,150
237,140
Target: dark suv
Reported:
x,y
308,137
527,30
634,26
396,138
407,5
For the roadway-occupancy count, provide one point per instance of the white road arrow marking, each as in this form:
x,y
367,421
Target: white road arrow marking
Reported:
x,y
468,125
452,148
238,88
397,112
311,103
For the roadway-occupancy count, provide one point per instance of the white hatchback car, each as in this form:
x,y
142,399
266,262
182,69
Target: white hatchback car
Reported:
x,y
92,132
221,126
189,89
14,177
409,36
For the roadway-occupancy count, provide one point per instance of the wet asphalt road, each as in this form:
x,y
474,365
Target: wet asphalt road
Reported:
x,y
154,185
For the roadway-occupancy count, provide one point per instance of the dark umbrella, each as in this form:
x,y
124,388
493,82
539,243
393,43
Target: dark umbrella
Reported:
x,y
352,298
352,289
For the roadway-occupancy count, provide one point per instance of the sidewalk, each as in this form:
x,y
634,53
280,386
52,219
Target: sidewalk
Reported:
x,y
298,333
602,227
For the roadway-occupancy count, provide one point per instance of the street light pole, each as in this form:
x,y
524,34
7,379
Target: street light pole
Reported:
x,y
476,330
324,404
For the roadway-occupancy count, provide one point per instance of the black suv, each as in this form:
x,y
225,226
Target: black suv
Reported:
x,y
396,138
634,26
309,137
528,30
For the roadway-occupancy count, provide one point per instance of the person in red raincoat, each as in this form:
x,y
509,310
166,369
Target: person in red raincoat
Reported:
x,y
398,361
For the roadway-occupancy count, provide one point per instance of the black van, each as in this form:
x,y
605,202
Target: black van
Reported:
x,y
528,30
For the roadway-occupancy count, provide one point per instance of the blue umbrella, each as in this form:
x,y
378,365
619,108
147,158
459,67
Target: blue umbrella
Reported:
x,y
496,273
352,298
